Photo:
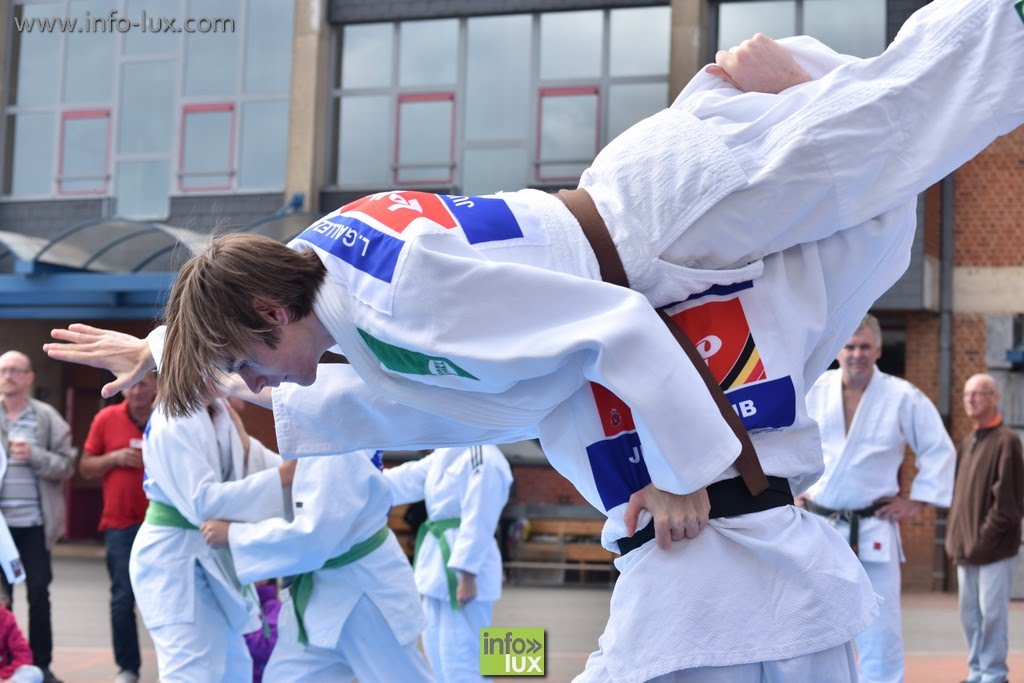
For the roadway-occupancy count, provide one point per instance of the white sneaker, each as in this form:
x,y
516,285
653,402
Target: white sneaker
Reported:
x,y
126,677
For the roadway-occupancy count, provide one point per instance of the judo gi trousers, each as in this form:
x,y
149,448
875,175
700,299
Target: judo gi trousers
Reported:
x,y
835,665
452,639
207,650
880,647
367,649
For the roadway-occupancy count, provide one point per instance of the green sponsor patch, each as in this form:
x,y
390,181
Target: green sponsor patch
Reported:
x,y
411,362
511,651
1020,9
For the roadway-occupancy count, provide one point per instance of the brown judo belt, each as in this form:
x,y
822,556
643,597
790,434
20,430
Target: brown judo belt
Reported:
x,y
581,206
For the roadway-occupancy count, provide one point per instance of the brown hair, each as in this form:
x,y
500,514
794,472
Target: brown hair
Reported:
x,y
211,313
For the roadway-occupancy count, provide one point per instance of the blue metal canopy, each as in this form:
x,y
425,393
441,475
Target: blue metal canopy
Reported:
x,y
109,268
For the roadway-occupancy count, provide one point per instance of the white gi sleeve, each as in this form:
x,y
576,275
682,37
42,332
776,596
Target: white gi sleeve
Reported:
x,y
484,494
545,333
332,498
408,480
340,413
177,460
835,152
260,457
926,435
155,341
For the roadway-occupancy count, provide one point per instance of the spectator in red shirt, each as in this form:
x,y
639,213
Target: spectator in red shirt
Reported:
x,y
15,655
113,450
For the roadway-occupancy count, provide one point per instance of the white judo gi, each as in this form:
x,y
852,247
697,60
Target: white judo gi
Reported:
x,y
363,618
187,593
776,220
863,465
470,485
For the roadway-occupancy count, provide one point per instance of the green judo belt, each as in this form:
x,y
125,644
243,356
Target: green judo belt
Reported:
x,y
302,584
161,514
436,528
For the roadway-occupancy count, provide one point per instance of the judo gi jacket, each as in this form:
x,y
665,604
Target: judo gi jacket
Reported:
x,y
470,484
863,465
338,501
195,465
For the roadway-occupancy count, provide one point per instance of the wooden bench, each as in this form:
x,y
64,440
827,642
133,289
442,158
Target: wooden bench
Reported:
x,y
558,545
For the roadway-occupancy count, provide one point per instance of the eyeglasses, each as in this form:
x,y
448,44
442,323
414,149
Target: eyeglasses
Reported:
x,y
12,371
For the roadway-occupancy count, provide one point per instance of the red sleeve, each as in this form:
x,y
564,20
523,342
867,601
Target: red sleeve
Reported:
x,y
95,443
16,649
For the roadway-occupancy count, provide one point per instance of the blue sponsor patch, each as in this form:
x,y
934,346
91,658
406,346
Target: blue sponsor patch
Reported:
x,y
619,468
483,219
378,460
765,405
357,244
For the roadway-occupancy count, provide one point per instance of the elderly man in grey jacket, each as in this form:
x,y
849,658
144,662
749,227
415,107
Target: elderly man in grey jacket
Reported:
x,y
39,462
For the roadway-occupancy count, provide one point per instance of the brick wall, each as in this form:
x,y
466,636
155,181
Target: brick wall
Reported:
x,y
922,369
989,215
542,485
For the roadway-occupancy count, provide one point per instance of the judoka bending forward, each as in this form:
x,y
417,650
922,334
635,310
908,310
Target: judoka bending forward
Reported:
x,y
765,224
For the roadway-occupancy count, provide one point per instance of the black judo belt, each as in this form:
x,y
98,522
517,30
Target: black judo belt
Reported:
x,y
851,517
752,491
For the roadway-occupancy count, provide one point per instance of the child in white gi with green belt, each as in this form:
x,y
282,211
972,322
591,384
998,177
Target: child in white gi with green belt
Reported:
x,y
189,597
457,564
353,612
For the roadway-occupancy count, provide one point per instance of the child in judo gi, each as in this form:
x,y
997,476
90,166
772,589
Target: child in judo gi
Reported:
x,y
189,597
765,225
457,562
352,610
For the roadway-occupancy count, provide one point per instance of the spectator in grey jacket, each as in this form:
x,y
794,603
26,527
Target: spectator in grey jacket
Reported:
x,y
40,460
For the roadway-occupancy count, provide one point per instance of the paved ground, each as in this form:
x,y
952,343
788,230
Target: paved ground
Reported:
x,y
572,616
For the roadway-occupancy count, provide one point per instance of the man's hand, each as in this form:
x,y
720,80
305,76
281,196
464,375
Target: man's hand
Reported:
x,y
759,65
801,501
19,451
675,517
126,356
215,532
127,457
896,509
466,590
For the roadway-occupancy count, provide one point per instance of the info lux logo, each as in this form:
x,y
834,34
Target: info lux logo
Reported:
x,y
512,651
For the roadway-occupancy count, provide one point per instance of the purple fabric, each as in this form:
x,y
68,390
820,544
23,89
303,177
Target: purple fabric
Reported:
x,y
260,644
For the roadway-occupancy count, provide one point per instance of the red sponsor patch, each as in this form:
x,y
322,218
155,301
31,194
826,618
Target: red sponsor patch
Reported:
x,y
721,333
396,210
615,415
878,545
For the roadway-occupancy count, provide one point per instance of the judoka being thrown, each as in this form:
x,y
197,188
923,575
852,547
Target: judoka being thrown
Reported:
x,y
765,224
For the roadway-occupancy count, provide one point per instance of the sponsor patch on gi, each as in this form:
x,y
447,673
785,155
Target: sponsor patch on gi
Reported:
x,y
409,362
618,467
1020,9
396,210
720,331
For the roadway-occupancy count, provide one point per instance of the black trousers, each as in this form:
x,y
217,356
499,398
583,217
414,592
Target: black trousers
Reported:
x,y
31,544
